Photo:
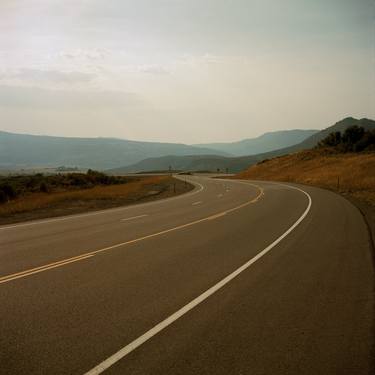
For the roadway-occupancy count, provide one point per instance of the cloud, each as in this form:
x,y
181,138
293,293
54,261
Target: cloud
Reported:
x,y
45,78
152,69
38,98
85,54
52,76
205,59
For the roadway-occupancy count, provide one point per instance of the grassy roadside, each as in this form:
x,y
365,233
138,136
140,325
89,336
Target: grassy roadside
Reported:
x,y
350,174
39,205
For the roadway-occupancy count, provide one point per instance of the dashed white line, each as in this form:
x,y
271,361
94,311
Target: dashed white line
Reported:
x,y
134,217
106,211
178,314
46,267
196,203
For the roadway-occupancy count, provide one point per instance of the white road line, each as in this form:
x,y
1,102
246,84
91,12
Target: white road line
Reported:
x,y
133,218
178,314
106,211
46,267
196,203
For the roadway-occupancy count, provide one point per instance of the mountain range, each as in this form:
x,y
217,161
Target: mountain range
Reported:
x,y
124,156
237,164
28,151
24,151
264,143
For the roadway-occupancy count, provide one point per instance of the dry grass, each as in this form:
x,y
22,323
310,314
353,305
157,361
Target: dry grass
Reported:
x,y
80,200
352,174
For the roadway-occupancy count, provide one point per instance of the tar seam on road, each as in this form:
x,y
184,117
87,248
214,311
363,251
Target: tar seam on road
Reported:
x,y
178,314
106,211
63,262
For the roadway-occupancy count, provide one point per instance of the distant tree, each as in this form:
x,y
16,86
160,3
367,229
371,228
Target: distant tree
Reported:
x,y
332,140
354,139
351,136
366,143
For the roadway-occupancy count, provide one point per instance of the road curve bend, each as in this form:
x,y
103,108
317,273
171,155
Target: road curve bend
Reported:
x,y
236,277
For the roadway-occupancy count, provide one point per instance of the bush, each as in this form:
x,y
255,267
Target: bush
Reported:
x,y
3,197
44,187
13,186
78,179
8,192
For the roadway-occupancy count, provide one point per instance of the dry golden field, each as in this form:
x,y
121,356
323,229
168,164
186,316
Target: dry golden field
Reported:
x,y
40,205
352,174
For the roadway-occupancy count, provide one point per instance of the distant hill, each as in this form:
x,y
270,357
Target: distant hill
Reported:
x,y
313,140
24,151
340,126
188,163
264,143
237,164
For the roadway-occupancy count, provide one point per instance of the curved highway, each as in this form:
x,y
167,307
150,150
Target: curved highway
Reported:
x,y
236,277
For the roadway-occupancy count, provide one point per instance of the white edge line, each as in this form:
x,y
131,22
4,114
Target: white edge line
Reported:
x,y
178,314
109,210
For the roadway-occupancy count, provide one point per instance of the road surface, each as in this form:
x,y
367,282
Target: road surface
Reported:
x,y
232,278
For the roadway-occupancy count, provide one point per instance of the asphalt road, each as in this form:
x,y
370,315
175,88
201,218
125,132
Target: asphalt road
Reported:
x,y
233,278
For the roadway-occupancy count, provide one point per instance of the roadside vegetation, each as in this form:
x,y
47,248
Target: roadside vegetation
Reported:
x,y
38,196
343,162
17,186
353,139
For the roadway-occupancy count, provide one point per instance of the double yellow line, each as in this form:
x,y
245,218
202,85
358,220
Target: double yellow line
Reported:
x,y
64,262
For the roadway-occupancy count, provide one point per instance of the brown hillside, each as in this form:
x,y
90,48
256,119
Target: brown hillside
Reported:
x,y
352,174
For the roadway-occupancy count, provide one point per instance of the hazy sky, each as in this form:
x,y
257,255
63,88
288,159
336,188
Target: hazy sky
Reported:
x,y
184,70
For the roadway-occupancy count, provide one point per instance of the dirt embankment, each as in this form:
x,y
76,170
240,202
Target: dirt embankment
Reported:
x,y
46,204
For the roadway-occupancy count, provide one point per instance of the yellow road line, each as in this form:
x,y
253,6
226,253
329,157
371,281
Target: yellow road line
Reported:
x,y
46,267
129,348
43,268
